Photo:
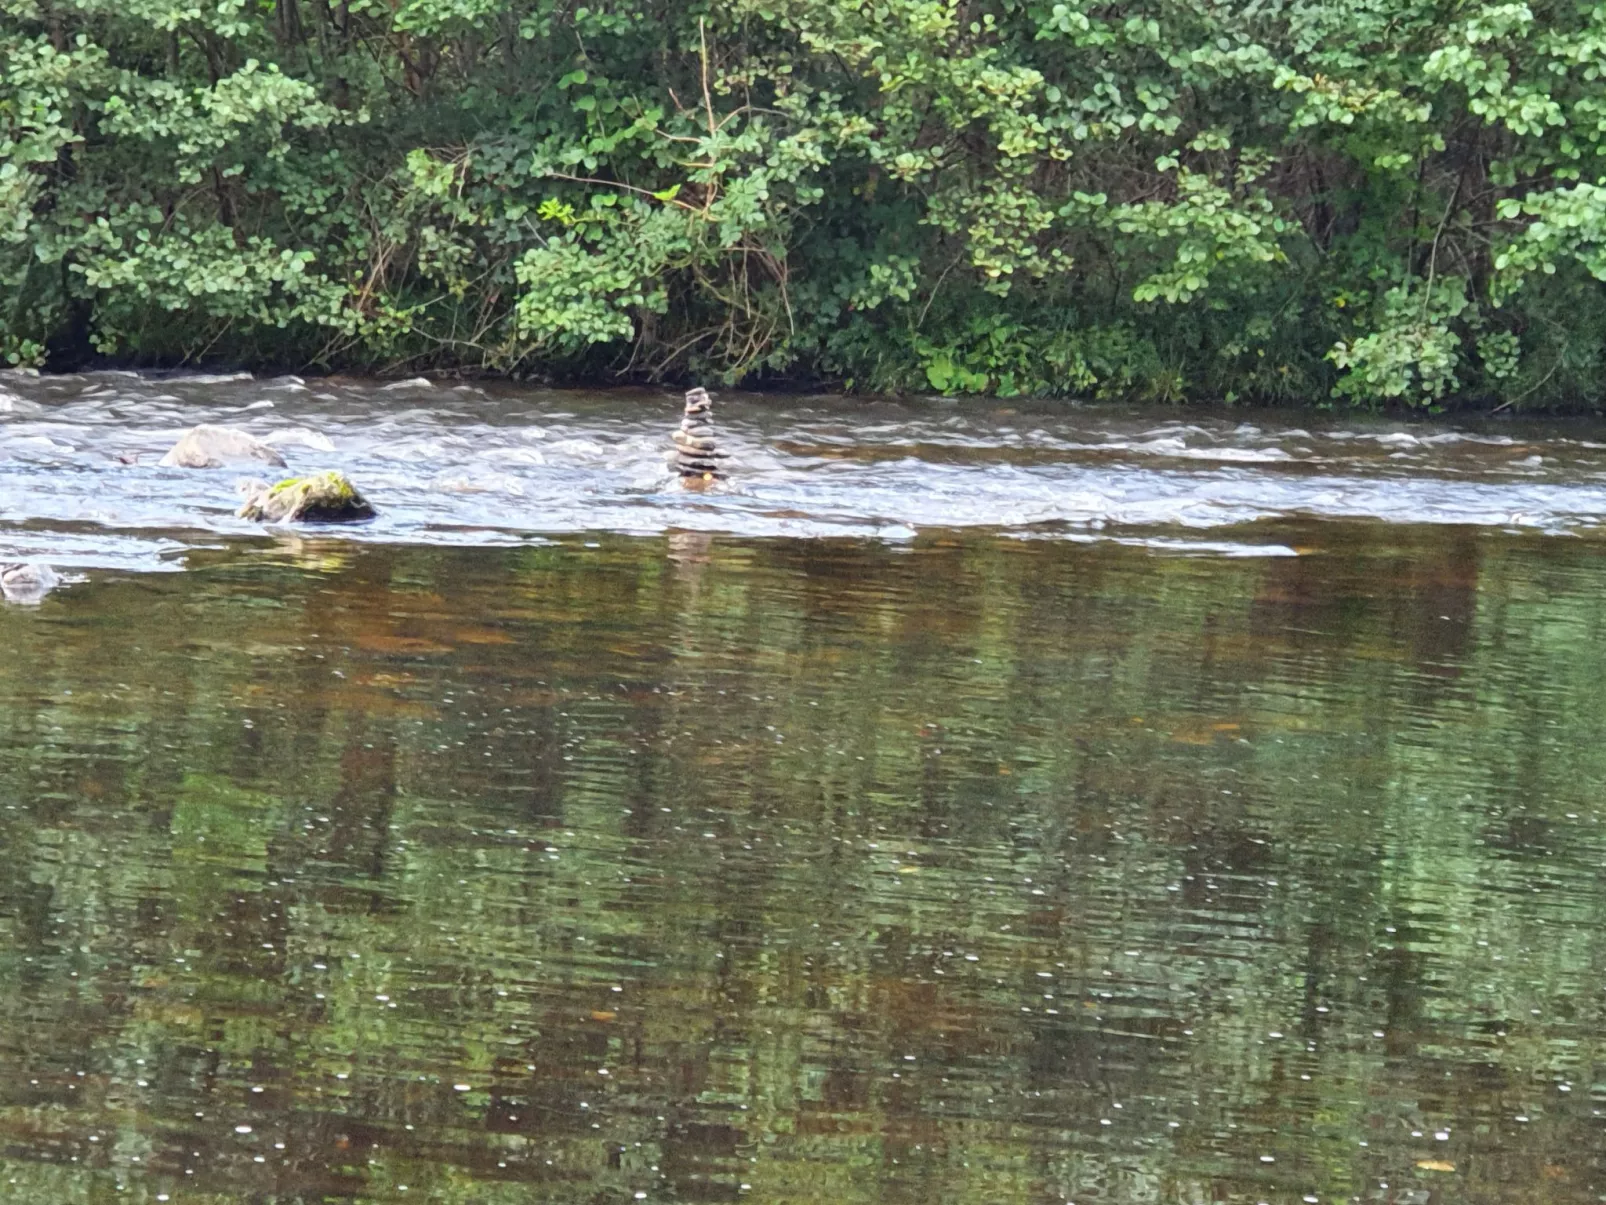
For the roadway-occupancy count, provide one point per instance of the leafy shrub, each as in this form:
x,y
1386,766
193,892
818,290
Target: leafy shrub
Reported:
x,y
1385,201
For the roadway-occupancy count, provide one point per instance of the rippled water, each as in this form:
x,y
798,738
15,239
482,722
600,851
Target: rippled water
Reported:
x,y
864,852
468,465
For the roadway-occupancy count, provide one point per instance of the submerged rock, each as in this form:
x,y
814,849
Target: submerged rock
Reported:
x,y
21,581
697,453
209,447
321,498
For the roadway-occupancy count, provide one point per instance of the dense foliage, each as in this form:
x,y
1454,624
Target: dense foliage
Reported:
x,y
1268,199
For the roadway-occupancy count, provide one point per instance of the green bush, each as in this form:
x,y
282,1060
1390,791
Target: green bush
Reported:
x,y
1379,200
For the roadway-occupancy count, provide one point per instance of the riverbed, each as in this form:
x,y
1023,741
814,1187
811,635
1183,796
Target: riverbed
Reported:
x,y
984,801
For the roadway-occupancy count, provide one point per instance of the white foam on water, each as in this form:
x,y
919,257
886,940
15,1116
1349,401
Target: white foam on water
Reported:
x,y
454,465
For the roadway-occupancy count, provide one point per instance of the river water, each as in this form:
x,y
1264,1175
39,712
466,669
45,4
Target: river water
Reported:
x,y
966,803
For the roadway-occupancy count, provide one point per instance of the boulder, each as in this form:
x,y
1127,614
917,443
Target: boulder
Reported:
x,y
320,498
21,581
209,447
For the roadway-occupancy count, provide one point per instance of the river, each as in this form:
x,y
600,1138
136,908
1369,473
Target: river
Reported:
x,y
981,802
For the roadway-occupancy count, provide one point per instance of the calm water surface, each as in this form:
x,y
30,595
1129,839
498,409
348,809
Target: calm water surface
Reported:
x,y
882,860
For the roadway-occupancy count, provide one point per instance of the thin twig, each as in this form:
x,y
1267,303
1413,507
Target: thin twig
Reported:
x,y
1433,252
1537,385
932,296
708,100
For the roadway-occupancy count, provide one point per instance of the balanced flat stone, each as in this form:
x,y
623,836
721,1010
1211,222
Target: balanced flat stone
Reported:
x,y
210,447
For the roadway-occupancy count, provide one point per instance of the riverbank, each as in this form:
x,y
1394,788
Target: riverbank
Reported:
x,y
911,385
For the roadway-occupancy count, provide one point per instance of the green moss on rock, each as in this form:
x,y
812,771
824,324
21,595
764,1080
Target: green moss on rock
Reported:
x,y
327,497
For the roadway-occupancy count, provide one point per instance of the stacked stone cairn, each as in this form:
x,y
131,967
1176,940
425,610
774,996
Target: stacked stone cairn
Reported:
x,y
697,453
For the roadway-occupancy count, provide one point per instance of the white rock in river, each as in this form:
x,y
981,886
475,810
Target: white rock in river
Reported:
x,y
209,447
23,582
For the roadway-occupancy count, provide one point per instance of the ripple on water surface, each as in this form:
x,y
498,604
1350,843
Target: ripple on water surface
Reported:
x,y
892,825
461,464
704,868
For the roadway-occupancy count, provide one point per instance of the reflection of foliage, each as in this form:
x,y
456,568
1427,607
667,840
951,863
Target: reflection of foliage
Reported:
x,y
863,874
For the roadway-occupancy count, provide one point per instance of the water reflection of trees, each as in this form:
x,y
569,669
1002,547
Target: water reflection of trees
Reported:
x,y
909,866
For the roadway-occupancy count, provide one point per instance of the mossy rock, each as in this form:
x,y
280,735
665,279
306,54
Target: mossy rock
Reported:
x,y
320,498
